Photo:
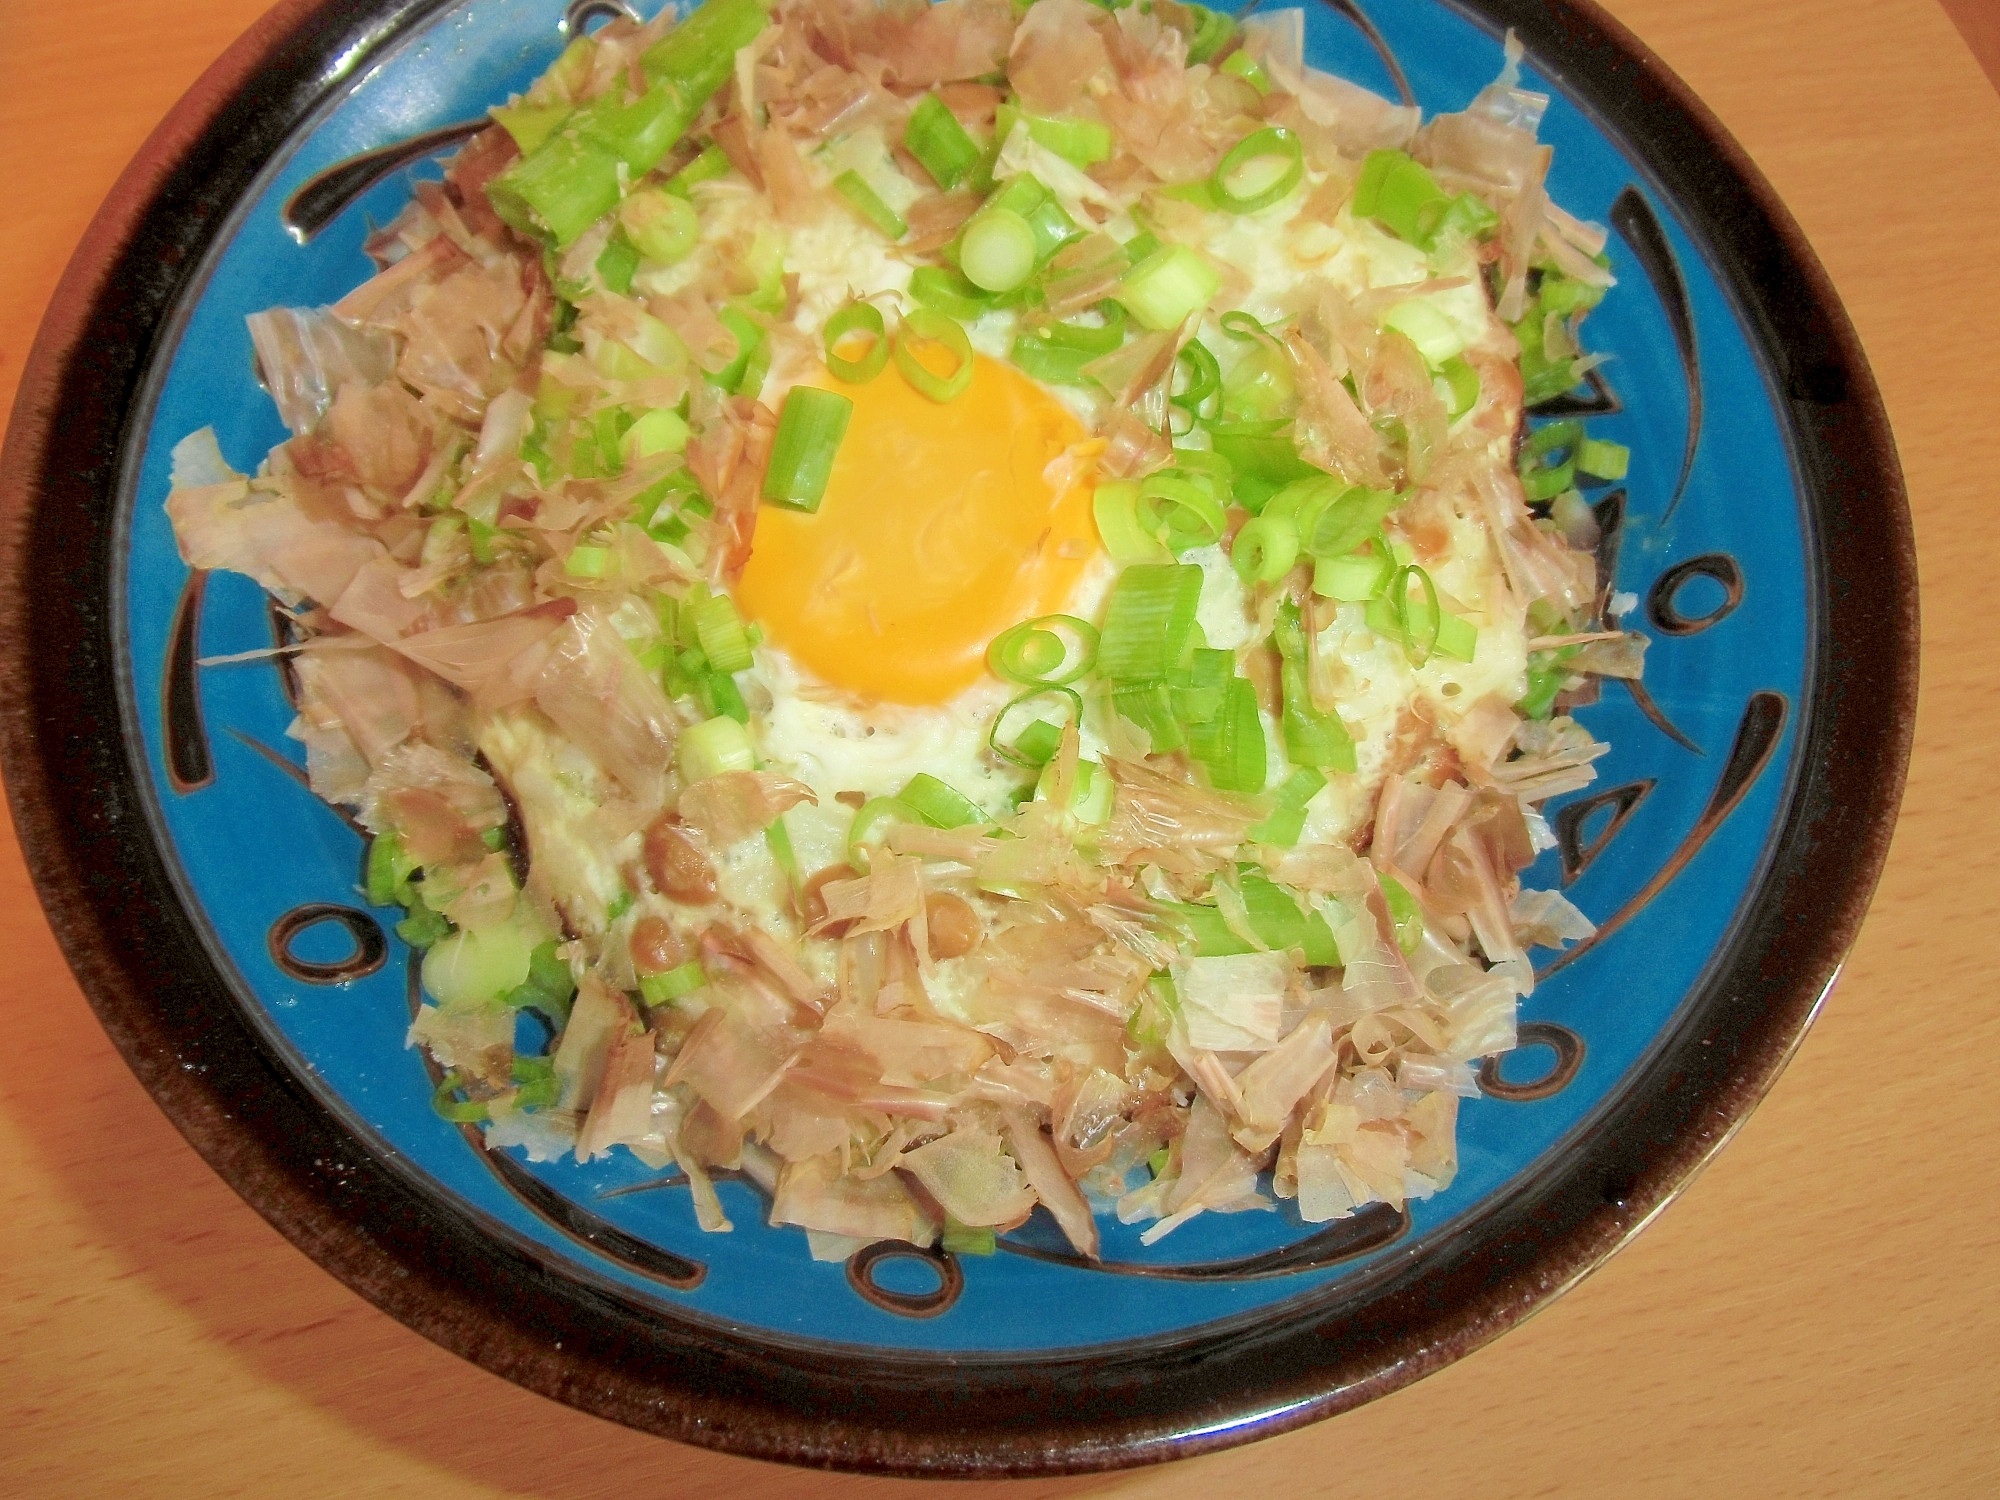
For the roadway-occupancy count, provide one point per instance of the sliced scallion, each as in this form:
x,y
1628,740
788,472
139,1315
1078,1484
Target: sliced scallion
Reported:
x,y
865,201
939,143
997,252
1548,459
720,630
939,804
922,328
1150,623
809,432
1353,578
1026,745
1242,65
1167,287
1127,537
1264,550
662,225
1044,652
1231,744
1603,460
857,320
1189,506
1259,170
871,825
944,290
713,747
664,989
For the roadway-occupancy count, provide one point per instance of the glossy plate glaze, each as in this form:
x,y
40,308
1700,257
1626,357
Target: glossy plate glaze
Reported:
x,y
210,904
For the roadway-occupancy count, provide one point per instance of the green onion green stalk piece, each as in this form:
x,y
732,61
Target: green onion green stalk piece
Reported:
x,y
576,176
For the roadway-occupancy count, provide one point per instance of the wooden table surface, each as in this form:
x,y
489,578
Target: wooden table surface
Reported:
x,y
1819,1314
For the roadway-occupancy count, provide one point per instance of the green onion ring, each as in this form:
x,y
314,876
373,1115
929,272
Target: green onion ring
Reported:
x,y
1240,325
871,823
1272,142
1085,339
944,290
448,1105
857,317
934,328
1409,575
1265,549
1193,514
1127,536
1006,751
1033,655
1204,376
1540,479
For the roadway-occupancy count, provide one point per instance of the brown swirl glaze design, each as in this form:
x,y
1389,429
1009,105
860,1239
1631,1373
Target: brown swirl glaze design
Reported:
x,y
1570,824
1565,1044
371,948
861,1266
1757,736
183,734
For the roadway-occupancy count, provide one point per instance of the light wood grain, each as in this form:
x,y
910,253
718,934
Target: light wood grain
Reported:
x,y
1819,1315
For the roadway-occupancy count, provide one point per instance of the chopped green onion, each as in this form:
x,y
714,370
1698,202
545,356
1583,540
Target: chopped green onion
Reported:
x,y
1259,170
1349,519
941,289
1547,672
1288,819
720,630
1404,913
967,1239
1312,738
1213,30
389,868
871,826
422,928
1399,191
1150,709
1191,509
1204,375
1437,338
1354,577
1034,653
939,805
1274,916
938,331
1242,65
713,747
1231,744
660,430
1264,550
662,225
1150,627
1603,460
997,251
1126,536
809,432
1548,459
1261,450
535,1083
675,983
868,203
548,987
939,143
1168,287
711,164
749,338
587,562
1198,691
530,124
857,318
1081,143
577,175
1466,217
445,1100
1421,623
1029,747
1463,383
616,263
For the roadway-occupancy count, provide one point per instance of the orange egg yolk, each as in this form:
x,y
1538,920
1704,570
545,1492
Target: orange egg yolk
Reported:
x,y
939,529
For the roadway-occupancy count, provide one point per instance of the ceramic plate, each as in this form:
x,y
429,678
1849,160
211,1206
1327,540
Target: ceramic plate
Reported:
x,y
211,908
